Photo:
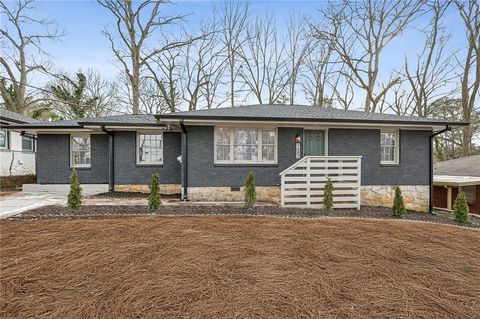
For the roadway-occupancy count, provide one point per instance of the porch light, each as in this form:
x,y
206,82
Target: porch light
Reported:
x,y
298,139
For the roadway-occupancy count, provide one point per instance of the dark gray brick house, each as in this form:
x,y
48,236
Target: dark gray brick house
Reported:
x,y
206,154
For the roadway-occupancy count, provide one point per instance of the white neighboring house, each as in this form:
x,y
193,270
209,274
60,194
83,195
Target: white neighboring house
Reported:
x,y
17,152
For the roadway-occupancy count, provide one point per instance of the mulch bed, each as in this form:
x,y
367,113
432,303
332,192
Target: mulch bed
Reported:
x,y
237,267
99,211
129,195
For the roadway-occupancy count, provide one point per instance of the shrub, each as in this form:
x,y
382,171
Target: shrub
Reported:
x,y
398,208
460,208
328,195
154,200
74,199
250,191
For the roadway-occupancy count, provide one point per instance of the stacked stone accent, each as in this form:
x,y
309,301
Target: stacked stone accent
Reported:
x,y
225,194
415,197
164,188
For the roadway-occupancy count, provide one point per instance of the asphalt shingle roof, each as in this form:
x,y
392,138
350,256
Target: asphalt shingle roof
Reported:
x,y
466,166
299,113
15,117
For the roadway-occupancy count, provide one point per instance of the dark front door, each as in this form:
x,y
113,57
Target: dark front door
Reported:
x,y
314,143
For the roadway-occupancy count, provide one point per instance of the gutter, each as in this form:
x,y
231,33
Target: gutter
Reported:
x,y
430,193
111,176
184,162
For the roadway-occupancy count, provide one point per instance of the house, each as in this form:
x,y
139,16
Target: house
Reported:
x,y
17,151
206,154
453,176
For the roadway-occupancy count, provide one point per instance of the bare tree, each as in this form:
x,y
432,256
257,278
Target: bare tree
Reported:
x,y
469,11
203,63
21,38
263,70
233,17
106,92
135,24
358,32
297,48
433,66
165,72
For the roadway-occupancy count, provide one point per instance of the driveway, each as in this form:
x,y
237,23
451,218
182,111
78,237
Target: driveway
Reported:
x,y
19,202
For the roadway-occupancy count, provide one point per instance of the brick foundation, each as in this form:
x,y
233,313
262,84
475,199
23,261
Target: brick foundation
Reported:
x,y
415,197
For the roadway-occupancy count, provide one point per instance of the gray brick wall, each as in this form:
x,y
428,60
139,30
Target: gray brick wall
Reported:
x,y
128,172
53,160
203,172
413,168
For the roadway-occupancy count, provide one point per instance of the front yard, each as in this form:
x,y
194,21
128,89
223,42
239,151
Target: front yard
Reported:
x,y
237,267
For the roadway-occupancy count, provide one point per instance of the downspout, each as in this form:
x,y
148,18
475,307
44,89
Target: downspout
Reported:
x,y
111,177
430,193
184,161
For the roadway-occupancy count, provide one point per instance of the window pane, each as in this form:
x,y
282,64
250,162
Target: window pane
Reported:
x,y
388,146
268,137
150,148
268,152
3,139
223,152
245,136
223,136
245,153
27,143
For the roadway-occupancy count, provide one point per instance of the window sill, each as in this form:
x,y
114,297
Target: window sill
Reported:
x,y
150,165
246,165
80,168
389,164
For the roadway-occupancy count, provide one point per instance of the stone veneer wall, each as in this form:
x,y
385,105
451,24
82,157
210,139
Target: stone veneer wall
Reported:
x,y
225,194
415,197
164,188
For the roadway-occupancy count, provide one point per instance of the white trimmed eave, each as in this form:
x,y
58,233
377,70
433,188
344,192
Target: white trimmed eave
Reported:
x,y
450,180
304,124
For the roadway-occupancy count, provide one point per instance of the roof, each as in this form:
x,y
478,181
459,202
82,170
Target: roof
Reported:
x,y
466,166
121,120
10,116
301,113
456,180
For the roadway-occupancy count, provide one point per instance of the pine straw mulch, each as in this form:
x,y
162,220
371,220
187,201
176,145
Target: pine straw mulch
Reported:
x,y
237,267
109,211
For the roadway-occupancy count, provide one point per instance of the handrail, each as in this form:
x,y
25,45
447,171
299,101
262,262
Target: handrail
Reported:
x,y
315,157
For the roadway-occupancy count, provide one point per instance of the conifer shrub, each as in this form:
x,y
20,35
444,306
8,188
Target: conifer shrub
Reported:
x,y
398,208
328,195
154,200
249,191
74,198
460,208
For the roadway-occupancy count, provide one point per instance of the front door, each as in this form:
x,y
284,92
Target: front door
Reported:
x,y
314,143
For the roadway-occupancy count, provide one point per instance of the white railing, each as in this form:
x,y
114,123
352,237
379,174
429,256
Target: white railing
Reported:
x,y
303,183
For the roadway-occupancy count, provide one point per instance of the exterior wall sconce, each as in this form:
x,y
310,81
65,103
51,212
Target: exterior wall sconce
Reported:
x,y
298,141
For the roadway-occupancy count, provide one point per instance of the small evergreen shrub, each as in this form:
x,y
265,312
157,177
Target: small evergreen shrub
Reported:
x,y
460,208
74,198
328,195
154,200
398,208
249,191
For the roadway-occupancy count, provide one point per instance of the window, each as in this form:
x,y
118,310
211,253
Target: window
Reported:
x,y
27,143
389,147
80,147
470,194
245,145
4,139
149,148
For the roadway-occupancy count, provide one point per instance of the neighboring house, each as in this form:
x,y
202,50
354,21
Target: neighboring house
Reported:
x,y
451,177
17,152
207,154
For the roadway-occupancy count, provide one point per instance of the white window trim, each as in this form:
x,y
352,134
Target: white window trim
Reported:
x,y
396,160
259,145
137,147
72,165
7,140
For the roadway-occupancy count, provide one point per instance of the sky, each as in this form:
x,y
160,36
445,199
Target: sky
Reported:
x,y
84,46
